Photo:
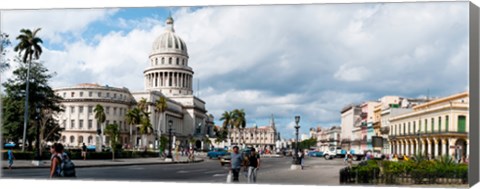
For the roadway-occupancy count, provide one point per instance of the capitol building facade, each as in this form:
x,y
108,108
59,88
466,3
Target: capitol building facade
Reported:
x,y
167,75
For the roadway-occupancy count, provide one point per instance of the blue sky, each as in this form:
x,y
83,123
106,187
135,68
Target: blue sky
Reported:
x,y
307,60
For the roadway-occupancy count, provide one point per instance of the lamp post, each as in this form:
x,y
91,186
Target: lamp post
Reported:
x,y
296,160
170,123
37,141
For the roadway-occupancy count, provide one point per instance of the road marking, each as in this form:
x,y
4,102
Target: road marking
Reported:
x,y
182,171
137,168
220,175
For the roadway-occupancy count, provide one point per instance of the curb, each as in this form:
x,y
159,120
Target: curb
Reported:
x,y
112,165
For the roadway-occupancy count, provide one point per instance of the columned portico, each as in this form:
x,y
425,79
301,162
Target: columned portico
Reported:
x,y
435,144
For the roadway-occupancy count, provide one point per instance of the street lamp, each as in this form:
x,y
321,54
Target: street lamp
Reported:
x,y
170,123
37,142
296,160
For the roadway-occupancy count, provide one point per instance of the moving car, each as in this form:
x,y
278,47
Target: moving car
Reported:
x,y
216,153
225,159
315,154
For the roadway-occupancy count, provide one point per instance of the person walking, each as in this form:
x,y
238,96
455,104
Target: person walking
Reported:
x,y
236,163
84,151
11,157
56,159
253,165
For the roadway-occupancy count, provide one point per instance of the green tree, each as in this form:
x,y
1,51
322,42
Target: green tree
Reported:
x,y
41,94
133,118
145,127
239,121
161,107
143,105
30,47
113,132
227,118
101,118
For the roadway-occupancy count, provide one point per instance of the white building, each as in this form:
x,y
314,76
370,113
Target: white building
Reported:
x,y
168,74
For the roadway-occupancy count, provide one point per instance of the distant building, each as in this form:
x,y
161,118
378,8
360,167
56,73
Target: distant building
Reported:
x,y
263,137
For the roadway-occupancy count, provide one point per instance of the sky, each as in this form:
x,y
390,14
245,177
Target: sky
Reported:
x,y
307,60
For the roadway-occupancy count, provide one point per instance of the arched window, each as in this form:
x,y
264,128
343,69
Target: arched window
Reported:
x,y
72,139
183,62
90,140
178,61
156,61
163,60
63,139
170,60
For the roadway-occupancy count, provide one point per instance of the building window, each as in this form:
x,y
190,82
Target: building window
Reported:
x,y
90,140
114,95
99,94
462,124
107,110
80,124
121,126
80,109
426,122
170,60
439,124
63,139
72,139
108,95
64,123
90,109
163,60
183,62
90,124
64,95
414,128
108,122
446,123
81,94
80,139
72,109
90,94
404,128
156,61
178,61
72,124
72,94
114,111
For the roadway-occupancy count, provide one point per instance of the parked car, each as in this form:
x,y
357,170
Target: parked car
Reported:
x,y
10,145
216,153
315,154
225,159
329,154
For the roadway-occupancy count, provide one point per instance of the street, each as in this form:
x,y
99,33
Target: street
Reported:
x,y
317,171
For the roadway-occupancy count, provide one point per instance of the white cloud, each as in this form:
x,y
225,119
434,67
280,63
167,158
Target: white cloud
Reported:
x,y
306,59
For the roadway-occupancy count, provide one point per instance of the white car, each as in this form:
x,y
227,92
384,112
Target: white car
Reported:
x,y
329,154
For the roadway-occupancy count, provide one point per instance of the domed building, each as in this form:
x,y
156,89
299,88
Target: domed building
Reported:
x,y
167,75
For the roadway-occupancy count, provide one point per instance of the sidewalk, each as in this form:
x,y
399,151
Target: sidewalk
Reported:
x,y
27,164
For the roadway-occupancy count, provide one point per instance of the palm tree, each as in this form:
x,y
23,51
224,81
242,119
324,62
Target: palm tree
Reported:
x,y
143,105
160,107
239,121
133,118
145,127
112,131
227,118
29,46
101,118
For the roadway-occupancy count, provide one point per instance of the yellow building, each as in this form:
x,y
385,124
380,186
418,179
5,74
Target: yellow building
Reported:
x,y
436,128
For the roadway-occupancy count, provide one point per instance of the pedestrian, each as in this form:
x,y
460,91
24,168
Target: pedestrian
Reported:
x,y
84,151
253,165
11,157
350,160
395,158
56,159
236,163
301,156
191,156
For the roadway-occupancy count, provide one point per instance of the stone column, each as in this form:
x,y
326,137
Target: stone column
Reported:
x,y
422,147
435,141
429,148
445,149
452,142
412,147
